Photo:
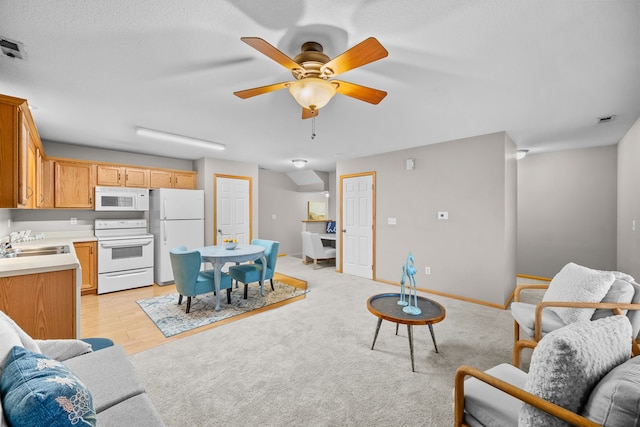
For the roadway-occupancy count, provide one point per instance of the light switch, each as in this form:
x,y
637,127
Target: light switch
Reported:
x,y
391,221
273,216
443,215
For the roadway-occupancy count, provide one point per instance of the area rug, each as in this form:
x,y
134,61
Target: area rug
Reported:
x,y
171,318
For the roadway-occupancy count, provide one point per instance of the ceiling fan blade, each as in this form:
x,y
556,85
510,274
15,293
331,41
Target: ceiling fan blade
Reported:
x,y
248,93
363,93
307,113
361,54
267,49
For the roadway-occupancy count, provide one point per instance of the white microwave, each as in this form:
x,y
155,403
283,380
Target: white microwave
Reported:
x,y
122,199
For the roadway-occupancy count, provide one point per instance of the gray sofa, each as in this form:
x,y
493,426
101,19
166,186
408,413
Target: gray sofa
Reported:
x,y
118,395
114,390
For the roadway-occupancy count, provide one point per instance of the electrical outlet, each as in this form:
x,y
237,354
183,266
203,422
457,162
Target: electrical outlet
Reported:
x,y
74,221
443,215
427,270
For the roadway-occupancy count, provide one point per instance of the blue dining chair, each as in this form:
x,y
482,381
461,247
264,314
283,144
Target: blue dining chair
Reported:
x,y
249,273
188,278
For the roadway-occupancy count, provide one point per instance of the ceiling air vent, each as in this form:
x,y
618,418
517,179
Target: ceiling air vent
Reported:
x,y
11,48
606,119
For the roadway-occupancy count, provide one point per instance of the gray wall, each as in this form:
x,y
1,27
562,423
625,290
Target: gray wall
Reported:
x,y
207,168
628,248
281,197
57,149
567,210
474,179
5,215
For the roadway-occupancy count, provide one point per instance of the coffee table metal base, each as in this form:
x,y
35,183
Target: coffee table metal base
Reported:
x,y
410,333
384,307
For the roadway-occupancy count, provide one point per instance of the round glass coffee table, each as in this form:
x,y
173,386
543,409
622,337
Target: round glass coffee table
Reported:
x,y
385,307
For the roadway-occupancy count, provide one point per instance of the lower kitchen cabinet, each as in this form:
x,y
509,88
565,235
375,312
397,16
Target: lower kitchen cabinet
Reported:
x,y
87,256
43,304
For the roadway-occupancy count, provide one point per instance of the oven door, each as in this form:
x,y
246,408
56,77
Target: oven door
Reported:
x,y
125,253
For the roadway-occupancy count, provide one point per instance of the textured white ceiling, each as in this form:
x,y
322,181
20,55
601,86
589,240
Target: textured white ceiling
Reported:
x,y
543,71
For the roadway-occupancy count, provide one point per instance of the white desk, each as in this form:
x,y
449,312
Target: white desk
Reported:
x,y
219,256
331,236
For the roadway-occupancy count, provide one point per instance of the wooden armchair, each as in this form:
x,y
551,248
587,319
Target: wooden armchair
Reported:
x,y
576,383
537,320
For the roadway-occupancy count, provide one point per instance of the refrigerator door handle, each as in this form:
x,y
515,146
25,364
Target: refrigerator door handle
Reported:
x,y
164,209
164,230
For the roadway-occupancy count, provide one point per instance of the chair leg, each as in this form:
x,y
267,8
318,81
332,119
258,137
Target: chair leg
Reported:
x,y
246,289
180,299
272,288
188,304
228,295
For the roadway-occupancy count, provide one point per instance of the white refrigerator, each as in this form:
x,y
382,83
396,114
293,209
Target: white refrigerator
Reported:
x,y
177,219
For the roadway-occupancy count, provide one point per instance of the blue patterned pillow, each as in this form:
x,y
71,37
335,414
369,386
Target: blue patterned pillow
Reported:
x,y
37,390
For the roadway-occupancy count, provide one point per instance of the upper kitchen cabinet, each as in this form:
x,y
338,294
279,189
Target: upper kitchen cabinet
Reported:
x,y
19,145
45,175
174,179
74,184
119,176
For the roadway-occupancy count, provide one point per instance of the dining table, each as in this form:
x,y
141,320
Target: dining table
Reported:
x,y
219,255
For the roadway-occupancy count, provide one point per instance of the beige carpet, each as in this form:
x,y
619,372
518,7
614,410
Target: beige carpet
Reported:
x,y
310,363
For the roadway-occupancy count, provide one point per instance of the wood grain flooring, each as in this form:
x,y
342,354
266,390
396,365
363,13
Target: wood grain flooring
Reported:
x,y
117,316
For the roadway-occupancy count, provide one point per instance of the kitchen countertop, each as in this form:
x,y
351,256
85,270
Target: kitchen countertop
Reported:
x,y
46,263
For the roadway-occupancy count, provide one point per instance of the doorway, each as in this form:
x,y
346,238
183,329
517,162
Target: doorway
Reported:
x,y
232,218
357,220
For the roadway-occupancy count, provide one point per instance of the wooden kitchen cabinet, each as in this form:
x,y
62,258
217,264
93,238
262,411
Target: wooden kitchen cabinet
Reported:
x,y
19,142
173,179
45,182
42,304
119,176
74,184
87,256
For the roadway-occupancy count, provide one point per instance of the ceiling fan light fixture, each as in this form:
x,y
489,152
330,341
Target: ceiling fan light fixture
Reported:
x,y
299,163
312,93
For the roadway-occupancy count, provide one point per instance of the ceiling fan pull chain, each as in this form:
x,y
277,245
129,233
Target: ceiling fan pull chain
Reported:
x,y
313,128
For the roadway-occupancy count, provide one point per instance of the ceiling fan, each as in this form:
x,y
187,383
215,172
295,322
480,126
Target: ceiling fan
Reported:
x,y
312,70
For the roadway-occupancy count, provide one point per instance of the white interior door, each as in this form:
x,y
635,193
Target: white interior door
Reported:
x,y
233,216
357,226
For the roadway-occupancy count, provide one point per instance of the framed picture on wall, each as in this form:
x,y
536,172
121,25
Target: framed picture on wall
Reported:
x,y
317,210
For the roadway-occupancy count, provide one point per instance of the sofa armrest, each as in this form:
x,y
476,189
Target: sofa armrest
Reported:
x,y
63,349
558,411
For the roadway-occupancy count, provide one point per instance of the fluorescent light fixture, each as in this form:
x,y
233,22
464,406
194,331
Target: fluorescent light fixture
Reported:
x,y
299,163
520,154
172,137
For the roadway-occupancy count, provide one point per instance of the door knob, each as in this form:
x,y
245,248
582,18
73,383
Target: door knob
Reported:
x,y
344,230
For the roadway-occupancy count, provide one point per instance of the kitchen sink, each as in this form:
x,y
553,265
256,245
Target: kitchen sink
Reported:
x,y
42,250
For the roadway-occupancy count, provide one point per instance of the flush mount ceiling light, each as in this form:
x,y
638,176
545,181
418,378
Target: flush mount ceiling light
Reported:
x,y
172,137
520,154
299,163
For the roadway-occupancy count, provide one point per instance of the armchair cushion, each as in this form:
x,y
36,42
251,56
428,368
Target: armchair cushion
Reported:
x,y
37,390
580,284
616,399
567,363
621,292
525,315
490,407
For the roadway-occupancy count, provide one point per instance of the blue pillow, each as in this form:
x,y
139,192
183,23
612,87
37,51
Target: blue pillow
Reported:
x,y
37,390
